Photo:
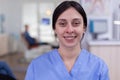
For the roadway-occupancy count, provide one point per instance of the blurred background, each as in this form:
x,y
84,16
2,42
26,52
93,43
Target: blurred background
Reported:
x,y
102,37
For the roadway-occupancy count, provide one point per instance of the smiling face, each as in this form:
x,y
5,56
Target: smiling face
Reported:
x,y
69,28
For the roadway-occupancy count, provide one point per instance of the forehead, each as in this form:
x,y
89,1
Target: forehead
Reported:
x,y
70,13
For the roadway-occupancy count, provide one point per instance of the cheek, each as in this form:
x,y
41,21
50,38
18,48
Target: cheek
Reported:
x,y
80,33
59,30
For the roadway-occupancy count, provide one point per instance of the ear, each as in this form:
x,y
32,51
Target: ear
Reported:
x,y
84,29
55,33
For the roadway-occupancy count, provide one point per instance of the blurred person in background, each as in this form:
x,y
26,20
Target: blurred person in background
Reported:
x,y
6,72
32,42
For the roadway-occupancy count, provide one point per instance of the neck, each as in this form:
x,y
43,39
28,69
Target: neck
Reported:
x,y
69,53
69,56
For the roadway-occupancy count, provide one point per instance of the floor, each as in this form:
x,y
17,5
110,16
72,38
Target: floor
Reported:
x,y
17,64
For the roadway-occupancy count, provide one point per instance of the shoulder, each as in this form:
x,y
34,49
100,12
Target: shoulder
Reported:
x,y
96,61
42,63
92,58
44,58
95,65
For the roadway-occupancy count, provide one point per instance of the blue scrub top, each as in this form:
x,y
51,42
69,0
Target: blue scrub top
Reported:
x,y
50,66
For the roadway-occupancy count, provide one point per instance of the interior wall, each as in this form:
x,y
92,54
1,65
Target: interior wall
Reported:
x,y
12,11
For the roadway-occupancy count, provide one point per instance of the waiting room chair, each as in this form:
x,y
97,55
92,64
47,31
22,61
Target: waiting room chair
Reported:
x,y
32,52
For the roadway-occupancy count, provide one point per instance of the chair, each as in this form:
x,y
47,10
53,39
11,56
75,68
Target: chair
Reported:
x,y
32,52
26,42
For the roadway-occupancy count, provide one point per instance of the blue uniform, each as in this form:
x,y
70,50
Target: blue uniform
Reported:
x,y
50,66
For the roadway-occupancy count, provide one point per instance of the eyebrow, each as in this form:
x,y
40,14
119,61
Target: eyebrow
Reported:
x,y
73,19
77,19
61,19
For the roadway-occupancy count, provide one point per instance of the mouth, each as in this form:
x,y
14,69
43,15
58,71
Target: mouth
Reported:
x,y
70,37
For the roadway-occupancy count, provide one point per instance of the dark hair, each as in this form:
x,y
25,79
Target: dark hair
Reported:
x,y
64,6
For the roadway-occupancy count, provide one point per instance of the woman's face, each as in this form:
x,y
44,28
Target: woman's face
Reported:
x,y
69,28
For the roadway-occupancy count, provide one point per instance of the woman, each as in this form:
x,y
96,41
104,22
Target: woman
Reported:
x,y
69,61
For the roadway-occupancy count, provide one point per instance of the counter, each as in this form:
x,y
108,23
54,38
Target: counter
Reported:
x,y
104,42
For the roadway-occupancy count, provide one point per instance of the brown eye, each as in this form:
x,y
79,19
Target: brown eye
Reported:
x,y
76,23
62,24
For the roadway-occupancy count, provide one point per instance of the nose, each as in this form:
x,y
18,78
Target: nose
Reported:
x,y
69,29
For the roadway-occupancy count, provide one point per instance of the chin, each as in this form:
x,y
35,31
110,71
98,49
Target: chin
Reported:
x,y
71,45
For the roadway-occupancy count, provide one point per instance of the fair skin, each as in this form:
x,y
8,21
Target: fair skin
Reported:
x,y
69,30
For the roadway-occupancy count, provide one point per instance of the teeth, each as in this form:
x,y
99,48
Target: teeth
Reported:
x,y
69,37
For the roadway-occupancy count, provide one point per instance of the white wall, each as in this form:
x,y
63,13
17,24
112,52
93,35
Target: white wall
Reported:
x,y
11,9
